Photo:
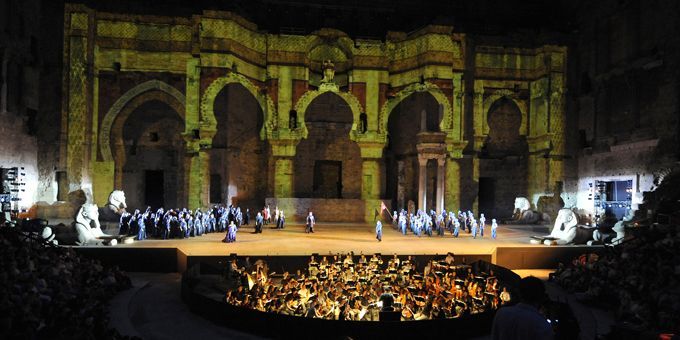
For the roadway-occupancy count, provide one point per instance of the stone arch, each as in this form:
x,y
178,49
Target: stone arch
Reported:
x,y
493,98
116,130
208,101
122,102
504,122
309,96
447,119
333,38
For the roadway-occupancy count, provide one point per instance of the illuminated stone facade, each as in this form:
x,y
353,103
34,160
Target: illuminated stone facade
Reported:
x,y
489,112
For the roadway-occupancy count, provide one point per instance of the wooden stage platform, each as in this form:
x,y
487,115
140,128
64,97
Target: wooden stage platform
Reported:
x,y
511,249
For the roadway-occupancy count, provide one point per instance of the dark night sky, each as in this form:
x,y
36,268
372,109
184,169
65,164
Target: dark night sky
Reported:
x,y
370,18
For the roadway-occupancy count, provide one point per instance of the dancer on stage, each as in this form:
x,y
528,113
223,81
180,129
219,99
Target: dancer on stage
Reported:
x,y
141,224
494,226
456,227
482,223
231,234
282,219
258,222
378,231
310,223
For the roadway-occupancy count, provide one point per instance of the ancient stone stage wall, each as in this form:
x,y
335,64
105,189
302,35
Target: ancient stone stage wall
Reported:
x,y
327,209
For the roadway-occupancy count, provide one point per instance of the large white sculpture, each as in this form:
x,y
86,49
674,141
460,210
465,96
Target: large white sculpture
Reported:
x,y
619,228
117,202
565,231
89,235
524,215
522,204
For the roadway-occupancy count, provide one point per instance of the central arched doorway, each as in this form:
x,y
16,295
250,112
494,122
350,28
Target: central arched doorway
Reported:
x,y
503,160
327,162
238,158
419,112
149,157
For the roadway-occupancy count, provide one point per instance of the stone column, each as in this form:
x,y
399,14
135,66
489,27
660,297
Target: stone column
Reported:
x,y
283,177
441,173
192,175
452,184
204,163
422,183
475,179
370,185
77,110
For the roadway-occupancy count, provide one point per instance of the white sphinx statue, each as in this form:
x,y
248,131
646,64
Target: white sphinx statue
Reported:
x,y
88,228
114,207
565,231
619,228
117,202
524,215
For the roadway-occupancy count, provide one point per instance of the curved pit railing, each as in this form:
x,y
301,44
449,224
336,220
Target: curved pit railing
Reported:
x,y
282,326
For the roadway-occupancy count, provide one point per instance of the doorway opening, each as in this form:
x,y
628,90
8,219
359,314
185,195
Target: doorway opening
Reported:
x,y
215,188
155,188
327,179
487,193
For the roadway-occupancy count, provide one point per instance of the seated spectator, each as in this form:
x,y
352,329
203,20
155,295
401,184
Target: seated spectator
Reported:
x,y
524,320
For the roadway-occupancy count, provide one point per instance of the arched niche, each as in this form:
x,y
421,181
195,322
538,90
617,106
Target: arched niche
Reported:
x,y
122,102
303,103
401,155
446,110
264,101
503,159
504,121
150,151
327,162
238,156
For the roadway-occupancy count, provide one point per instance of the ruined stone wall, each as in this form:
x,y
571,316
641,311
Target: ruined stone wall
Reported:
x,y
30,91
627,66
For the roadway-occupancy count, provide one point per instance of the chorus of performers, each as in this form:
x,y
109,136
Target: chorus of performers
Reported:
x,y
357,288
185,223
422,223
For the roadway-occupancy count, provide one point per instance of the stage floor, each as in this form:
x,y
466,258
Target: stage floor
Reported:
x,y
343,238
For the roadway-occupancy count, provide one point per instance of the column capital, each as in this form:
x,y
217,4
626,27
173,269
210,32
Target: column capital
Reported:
x,y
422,160
284,147
455,148
371,149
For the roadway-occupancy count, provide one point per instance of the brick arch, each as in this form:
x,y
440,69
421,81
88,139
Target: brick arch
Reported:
x,y
446,123
208,119
117,128
497,95
122,103
309,96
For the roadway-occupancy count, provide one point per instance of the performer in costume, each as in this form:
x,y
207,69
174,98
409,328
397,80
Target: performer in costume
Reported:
x,y
482,223
259,220
494,226
310,223
141,223
282,219
456,227
378,231
231,234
